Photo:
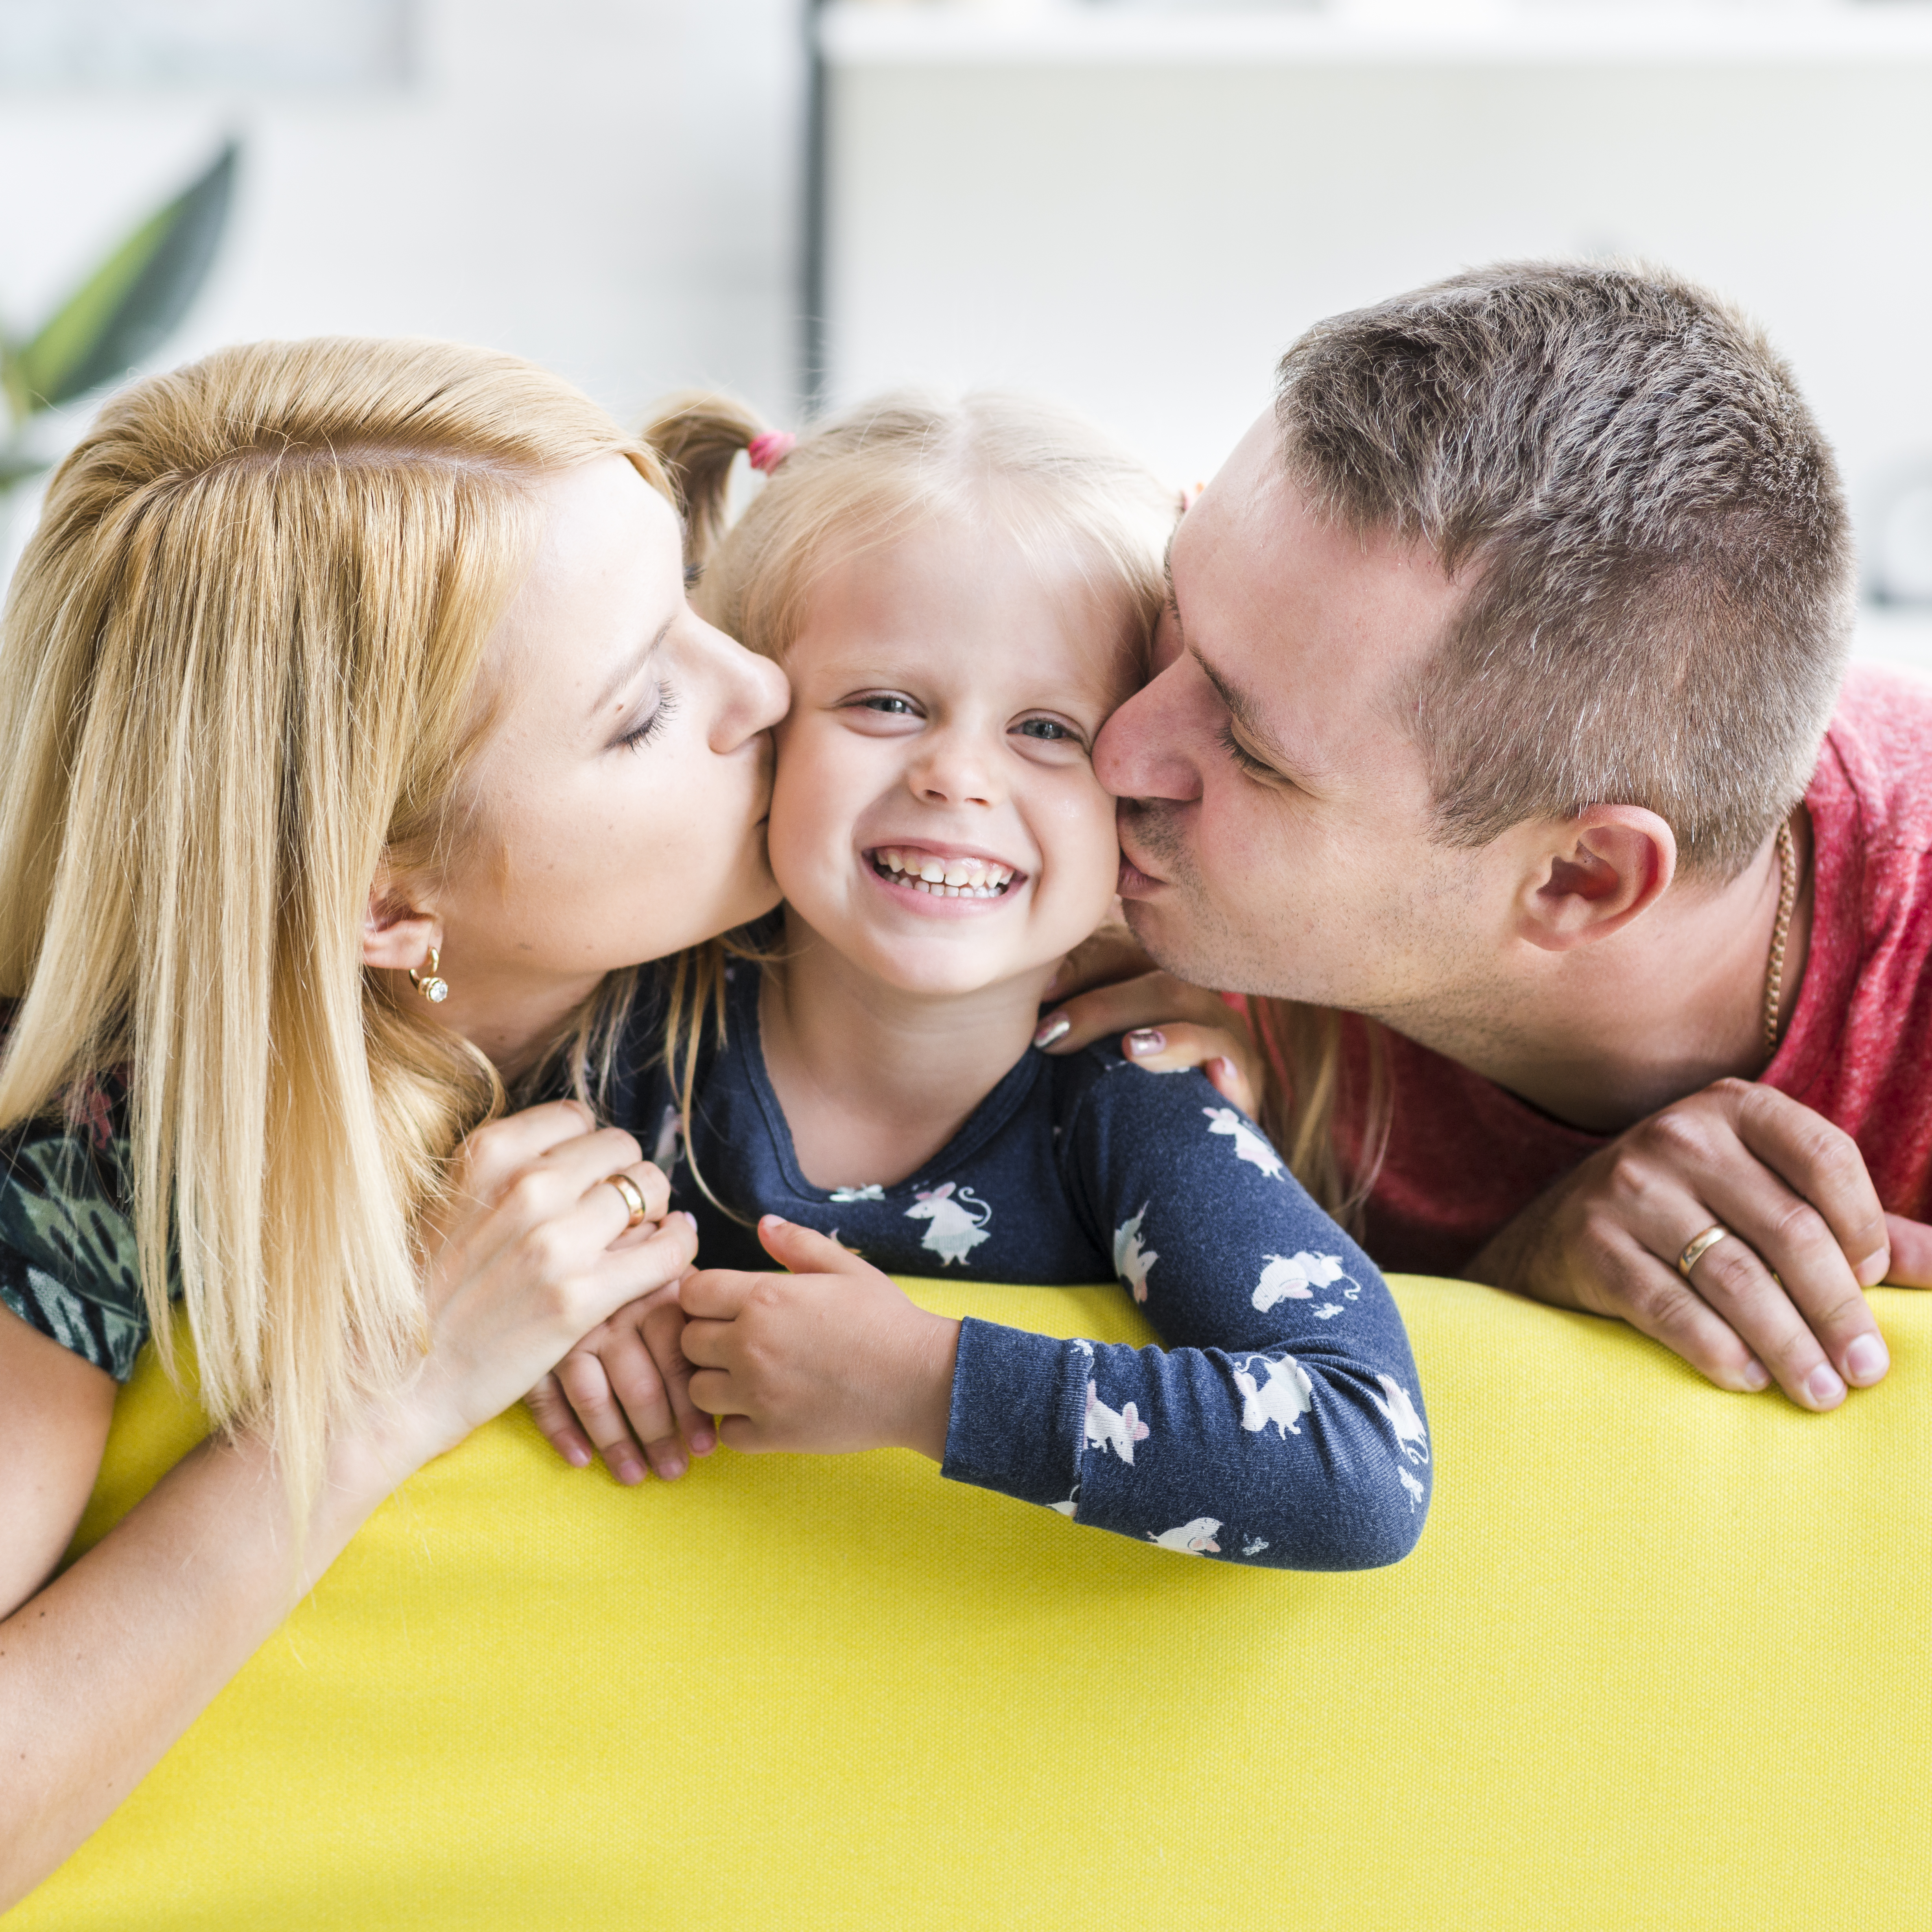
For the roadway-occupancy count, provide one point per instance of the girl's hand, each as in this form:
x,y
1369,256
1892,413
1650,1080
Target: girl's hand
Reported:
x,y
626,1384
828,1358
1167,1025
532,1253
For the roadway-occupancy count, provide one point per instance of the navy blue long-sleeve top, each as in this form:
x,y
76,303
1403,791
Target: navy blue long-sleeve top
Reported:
x,y
1281,1424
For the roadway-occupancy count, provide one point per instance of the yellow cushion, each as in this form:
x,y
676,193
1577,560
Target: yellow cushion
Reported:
x,y
1660,1661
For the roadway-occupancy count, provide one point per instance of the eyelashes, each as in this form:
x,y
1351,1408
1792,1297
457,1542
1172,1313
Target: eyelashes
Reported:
x,y
661,714
1245,759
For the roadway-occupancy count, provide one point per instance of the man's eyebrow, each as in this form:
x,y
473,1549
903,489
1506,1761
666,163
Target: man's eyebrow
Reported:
x,y
626,672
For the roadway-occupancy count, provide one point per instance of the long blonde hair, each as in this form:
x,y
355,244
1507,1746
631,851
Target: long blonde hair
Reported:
x,y
1054,479
238,672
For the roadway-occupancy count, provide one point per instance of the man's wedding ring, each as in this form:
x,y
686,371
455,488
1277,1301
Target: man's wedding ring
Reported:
x,y
1696,1249
633,1197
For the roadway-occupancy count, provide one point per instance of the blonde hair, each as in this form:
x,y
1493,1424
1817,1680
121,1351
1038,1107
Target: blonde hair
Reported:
x,y
239,671
1054,480
1048,478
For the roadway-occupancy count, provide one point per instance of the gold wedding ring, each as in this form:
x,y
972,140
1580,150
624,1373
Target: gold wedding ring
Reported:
x,y
1699,1246
633,1197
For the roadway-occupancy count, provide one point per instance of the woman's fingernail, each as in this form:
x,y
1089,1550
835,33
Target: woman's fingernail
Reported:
x,y
703,1442
1058,1027
1823,1387
626,1468
1872,1269
1755,1376
684,1214
1866,1360
1143,1041
671,1468
576,1456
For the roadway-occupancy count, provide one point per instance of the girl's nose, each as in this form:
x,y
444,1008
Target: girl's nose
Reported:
x,y
955,770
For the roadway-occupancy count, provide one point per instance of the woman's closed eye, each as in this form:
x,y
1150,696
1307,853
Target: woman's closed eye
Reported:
x,y
662,711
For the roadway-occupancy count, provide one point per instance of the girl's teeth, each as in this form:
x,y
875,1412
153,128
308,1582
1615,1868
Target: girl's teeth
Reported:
x,y
952,878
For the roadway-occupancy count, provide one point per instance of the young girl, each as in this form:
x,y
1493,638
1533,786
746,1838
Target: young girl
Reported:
x,y
960,596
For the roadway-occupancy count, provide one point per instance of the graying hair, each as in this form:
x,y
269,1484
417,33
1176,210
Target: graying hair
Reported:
x,y
1651,523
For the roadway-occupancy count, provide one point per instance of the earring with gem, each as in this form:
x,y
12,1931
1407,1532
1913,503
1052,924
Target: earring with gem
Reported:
x,y
429,981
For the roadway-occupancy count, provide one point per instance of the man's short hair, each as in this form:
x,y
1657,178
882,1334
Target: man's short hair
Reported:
x,y
1651,523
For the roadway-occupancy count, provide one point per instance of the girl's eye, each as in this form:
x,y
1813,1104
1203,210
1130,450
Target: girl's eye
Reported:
x,y
891,704
1048,730
639,736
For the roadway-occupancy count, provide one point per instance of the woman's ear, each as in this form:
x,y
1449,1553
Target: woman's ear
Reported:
x,y
398,932
1590,875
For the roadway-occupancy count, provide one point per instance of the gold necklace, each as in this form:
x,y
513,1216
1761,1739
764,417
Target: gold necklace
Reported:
x,y
1787,897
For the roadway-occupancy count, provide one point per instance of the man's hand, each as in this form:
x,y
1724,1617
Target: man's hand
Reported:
x,y
828,1358
1782,1301
1111,986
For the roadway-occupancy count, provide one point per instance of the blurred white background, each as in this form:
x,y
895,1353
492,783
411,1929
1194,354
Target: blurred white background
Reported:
x,y
1133,204
610,187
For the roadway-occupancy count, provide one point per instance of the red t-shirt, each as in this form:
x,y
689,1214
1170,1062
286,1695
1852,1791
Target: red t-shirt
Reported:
x,y
1465,1156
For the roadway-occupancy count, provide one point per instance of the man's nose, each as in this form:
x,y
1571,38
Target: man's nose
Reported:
x,y
1145,750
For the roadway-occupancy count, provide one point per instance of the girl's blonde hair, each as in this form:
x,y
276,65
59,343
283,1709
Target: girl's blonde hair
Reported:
x,y
238,673
1051,481
1055,481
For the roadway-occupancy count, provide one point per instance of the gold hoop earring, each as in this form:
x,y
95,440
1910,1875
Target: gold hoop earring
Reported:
x,y
429,982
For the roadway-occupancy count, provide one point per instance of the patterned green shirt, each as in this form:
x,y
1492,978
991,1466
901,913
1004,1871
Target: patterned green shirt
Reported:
x,y
68,1260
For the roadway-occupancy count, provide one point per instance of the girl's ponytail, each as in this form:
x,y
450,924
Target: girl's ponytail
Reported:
x,y
698,434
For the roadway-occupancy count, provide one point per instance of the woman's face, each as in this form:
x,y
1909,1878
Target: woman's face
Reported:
x,y
620,798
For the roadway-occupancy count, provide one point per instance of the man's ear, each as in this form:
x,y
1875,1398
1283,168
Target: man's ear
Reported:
x,y
1589,876
398,931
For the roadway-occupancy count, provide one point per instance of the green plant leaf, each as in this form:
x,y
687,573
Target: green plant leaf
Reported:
x,y
131,303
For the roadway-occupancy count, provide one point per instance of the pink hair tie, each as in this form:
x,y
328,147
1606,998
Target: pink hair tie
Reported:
x,y
767,452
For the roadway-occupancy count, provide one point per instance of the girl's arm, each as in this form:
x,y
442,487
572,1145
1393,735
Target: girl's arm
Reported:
x,y
103,1668
1283,1428
1282,1425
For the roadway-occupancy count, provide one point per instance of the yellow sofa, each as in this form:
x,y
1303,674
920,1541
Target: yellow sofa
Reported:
x,y
1660,1660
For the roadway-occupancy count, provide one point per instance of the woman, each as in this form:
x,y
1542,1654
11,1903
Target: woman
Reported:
x,y
359,738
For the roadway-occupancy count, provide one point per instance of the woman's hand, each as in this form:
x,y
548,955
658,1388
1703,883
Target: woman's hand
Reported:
x,y
828,1358
105,1666
1166,1024
627,1384
1781,1300
532,1253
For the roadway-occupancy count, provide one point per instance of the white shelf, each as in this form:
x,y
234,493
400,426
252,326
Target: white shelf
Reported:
x,y
1114,33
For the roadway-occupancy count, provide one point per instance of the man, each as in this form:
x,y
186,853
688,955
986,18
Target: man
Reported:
x,y
1496,704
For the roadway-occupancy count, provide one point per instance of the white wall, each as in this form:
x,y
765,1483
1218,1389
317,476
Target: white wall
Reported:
x,y
1145,237
610,187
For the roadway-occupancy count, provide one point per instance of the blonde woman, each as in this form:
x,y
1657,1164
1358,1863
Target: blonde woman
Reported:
x,y
358,738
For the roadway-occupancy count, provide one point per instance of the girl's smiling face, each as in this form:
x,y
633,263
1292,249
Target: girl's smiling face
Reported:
x,y
935,818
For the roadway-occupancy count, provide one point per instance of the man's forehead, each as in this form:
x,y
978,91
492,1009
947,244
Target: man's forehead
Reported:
x,y
1294,609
